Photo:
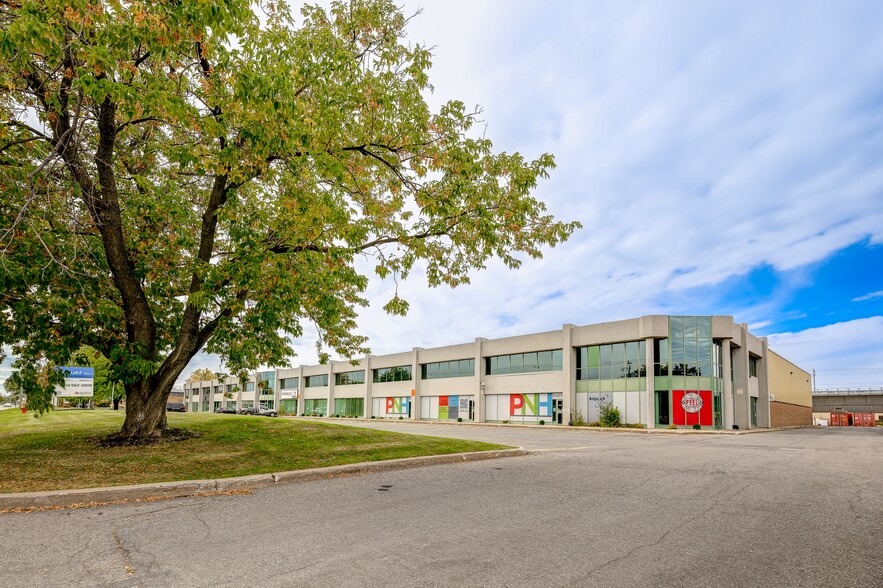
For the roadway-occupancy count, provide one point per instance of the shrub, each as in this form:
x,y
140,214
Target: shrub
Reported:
x,y
401,418
672,426
610,416
542,422
373,417
505,422
577,419
697,426
459,419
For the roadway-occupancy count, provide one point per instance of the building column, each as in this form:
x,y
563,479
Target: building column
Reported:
x,y
368,409
568,365
330,388
414,400
763,388
301,406
726,350
479,379
742,395
649,404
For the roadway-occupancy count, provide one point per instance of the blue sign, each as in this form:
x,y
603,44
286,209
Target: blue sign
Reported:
x,y
78,372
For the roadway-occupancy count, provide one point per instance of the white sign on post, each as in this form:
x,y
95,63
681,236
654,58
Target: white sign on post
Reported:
x,y
78,381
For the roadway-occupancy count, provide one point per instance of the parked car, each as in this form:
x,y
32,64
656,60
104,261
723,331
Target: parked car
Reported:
x,y
246,410
175,407
263,411
225,410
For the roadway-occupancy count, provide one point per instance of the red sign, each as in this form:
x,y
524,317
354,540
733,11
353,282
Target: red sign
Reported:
x,y
691,407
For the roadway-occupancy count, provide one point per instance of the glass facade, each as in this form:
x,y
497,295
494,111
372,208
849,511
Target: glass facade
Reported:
x,y
288,384
610,362
688,370
316,407
349,407
316,381
522,363
400,373
348,378
448,369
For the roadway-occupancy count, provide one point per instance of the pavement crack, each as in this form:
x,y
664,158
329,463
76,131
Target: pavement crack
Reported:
x,y
127,562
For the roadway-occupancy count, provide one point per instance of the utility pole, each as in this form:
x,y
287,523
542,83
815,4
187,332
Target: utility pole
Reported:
x,y
813,380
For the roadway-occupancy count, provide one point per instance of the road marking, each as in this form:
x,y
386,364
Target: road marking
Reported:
x,y
559,449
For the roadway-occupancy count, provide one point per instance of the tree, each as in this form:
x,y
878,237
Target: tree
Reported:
x,y
201,375
104,390
179,176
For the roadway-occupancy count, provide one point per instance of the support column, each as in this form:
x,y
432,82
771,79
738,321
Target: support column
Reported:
x,y
301,405
726,350
414,400
763,388
479,379
568,365
368,410
742,395
330,388
649,404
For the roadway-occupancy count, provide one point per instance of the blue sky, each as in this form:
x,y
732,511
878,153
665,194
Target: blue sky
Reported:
x,y
723,157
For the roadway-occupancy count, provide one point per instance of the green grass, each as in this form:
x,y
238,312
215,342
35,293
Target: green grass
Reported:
x,y
59,451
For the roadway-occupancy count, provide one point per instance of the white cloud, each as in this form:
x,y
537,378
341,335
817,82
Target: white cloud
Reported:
x,y
844,355
870,296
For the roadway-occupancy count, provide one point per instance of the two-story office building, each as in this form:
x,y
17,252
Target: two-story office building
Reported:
x,y
657,370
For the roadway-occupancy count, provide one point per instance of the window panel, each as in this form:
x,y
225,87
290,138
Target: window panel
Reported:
x,y
594,356
516,364
531,363
557,359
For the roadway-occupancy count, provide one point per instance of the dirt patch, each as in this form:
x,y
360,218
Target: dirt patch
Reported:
x,y
167,436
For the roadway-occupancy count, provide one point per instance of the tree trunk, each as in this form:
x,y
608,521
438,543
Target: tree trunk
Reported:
x,y
145,409
116,403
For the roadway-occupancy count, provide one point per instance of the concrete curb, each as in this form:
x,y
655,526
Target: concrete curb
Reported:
x,y
654,431
85,496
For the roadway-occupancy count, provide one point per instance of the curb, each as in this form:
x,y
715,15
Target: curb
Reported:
x,y
88,496
550,427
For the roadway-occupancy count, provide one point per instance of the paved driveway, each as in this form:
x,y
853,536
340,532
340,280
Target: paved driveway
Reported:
x,y
791,508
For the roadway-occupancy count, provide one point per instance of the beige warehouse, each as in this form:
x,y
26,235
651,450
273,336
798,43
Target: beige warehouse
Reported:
x,y
658,370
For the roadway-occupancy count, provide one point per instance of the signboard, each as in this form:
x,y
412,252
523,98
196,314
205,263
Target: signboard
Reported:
x,y
288,394
78,381
397,406
692,407
538,405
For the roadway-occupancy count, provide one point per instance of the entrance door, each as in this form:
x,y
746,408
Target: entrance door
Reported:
x,y
557,409
753,411
718,414
662,408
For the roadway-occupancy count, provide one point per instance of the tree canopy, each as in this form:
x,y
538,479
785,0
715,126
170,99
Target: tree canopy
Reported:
x,y
190,175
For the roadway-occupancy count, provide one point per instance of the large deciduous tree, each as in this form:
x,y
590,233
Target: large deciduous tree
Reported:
x,y
188,175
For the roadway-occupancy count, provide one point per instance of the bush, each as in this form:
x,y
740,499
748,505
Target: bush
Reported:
x,y
459,419
577,419
505,422
672,426
542,422
401,418
373,417
697,426
610,416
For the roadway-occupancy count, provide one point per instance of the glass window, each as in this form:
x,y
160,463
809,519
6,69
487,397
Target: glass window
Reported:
x,y
249,387
400,373
752,366
676,327
703,327
448,369
288,383
557,360
316,381
618,353
349,378
503,364
594,356
516,364
606,354
531,362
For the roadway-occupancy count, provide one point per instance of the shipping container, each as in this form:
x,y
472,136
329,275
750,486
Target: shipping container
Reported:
x,y
863,419
841,419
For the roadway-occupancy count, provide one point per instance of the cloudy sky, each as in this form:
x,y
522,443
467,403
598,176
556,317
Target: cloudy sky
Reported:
x,y
724,158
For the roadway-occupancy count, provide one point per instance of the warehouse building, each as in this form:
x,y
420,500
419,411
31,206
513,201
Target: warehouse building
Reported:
x,y
659,371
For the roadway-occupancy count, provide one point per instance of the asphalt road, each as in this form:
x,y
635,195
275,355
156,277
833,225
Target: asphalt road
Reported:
x,y
789,508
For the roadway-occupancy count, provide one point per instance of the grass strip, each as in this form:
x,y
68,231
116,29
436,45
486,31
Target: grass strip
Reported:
x,y
60,450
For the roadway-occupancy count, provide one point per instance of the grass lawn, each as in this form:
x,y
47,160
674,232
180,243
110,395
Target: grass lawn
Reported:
x,y
58,450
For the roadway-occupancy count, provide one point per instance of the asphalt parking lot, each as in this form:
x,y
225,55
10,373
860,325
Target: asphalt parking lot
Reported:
x,y
786,508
